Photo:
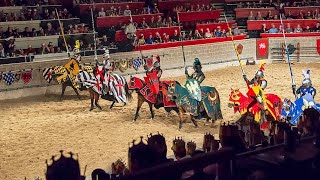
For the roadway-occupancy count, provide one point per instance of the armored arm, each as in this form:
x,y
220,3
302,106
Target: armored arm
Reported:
x,y
264,84
201,78
159,73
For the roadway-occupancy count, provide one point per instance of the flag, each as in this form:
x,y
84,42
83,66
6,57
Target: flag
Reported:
x,y
17,76
47,74
9,78
136,63
26,76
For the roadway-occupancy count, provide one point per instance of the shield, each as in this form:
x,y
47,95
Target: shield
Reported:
x,y
262,48
72,67
152,81
318,46
240,48
193,87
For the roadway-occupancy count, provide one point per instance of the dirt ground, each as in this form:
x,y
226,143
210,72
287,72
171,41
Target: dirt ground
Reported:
x,y
34,129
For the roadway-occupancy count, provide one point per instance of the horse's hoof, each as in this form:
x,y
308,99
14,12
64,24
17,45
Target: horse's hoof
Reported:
x,y
91,109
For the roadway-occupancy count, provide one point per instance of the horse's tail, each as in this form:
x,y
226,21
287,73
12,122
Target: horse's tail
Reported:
x,y
128,91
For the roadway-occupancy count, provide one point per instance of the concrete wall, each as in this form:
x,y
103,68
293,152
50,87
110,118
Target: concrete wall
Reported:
x,y
215,55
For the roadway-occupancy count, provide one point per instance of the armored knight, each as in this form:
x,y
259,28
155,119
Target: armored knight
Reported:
x,y
306,87
258,86
156,67
198,74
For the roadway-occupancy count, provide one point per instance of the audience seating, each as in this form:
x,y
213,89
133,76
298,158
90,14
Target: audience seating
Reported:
x,y
55,22
214,26
189,42
199,15
296,10
132,6
116,20
257,24
11,9
169,5
120,36
268,35
245,12
20,24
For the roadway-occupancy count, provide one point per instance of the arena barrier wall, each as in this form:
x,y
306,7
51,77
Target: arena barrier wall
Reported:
x,y
215,55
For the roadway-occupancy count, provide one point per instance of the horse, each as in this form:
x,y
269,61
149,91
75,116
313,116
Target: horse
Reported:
x,y
146,95
60,75
117,86
208,108
240,102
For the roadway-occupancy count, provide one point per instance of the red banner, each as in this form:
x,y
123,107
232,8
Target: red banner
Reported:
x,y
318,46
262,48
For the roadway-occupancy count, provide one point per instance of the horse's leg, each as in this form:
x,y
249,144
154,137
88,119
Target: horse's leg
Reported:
x,y
151,111
92,99
96,99
76,91
193,120
112,104
139,104
180,117
64,86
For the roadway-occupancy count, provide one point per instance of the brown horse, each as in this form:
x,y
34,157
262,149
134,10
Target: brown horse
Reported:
x,y
145,95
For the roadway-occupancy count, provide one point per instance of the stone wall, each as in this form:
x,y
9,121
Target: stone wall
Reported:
x,y
215,55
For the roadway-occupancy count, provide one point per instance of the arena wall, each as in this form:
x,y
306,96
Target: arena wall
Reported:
x,y
215,55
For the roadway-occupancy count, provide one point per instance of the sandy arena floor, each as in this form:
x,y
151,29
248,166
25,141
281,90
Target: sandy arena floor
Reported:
x,y
34,129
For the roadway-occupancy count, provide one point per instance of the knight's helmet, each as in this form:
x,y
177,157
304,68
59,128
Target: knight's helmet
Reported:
x,y
197,64
76,51
259,73
306,81
156,64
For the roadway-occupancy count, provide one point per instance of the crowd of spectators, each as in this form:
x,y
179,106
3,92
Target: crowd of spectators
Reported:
x,y
290,29
275,4
189,35
114,11
32,14
108,1
271,16
29,2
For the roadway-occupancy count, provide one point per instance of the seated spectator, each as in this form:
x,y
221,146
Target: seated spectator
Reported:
x,y
281,30
50,31
202,32
309,15
53,15
44,49
144,25
35,14
224,33
127,11
153,23
9,32
102,13
275,17
75,29
218,33
26,32
165,38
150,39
46,14
317,27
104,41
159,22
308,29
259,16
2,52
175,36
158,38
289,16
50,47
41,32
28,15
208,34
236,31
269,16
30,51
251,17
66,14
196,35
141,40
273,29
298,29
189,35
289,29
170,22
301,15
34,32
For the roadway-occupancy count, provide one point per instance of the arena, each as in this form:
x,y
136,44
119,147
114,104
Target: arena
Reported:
x,y
33,129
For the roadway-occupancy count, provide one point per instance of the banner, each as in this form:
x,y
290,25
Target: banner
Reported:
x,y
262,48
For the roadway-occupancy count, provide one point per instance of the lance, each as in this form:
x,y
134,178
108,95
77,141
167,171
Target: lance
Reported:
x,y
288,57
235,48
62,33
182,43
94,37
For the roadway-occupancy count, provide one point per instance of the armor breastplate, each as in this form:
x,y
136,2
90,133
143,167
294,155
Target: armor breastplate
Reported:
x,y
199,76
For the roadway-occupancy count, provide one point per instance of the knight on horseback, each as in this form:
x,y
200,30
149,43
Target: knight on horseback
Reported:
x,y
306,87
197,74
106,68
256,91
155,68
76,52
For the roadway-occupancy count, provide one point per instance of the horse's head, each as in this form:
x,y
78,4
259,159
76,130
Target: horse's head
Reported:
x,y
135,83
119,168
172,90
235,99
